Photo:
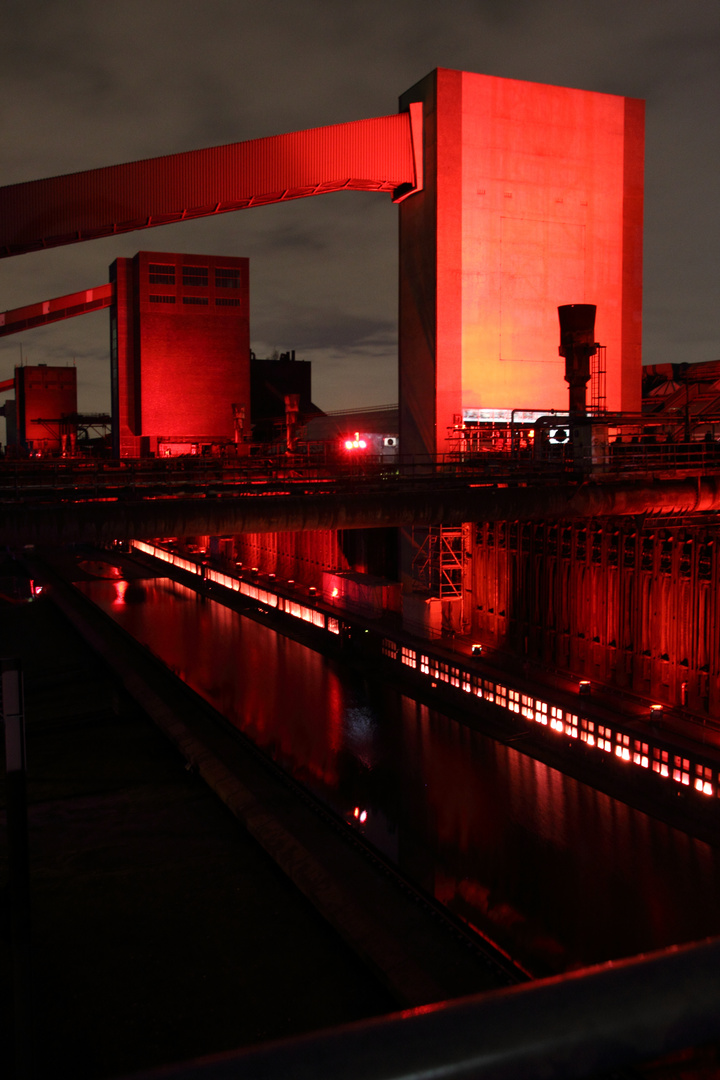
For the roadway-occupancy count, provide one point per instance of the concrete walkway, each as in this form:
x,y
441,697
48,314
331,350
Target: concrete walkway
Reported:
x,y
161,930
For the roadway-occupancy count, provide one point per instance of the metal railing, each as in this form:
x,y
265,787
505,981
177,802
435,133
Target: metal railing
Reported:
x,y
579,1025
603,448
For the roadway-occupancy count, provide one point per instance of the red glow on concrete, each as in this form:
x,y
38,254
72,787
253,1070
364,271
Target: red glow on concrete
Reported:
x,y
532,200
181,351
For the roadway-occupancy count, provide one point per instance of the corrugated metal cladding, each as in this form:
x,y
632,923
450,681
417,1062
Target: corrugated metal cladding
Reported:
x,y
61,307
363,155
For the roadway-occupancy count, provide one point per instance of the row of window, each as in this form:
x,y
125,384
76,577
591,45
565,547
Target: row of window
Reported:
x,y
226,277
221,301
624,747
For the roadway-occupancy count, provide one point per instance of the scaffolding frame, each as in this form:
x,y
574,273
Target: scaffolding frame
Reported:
x,y
437,565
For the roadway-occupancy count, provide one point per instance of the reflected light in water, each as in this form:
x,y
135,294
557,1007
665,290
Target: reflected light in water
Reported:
x,y
555,872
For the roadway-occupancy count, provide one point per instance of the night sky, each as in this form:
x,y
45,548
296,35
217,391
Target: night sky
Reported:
x,y
93,84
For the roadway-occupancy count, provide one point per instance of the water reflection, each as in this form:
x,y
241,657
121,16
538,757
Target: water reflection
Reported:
x,y
557,873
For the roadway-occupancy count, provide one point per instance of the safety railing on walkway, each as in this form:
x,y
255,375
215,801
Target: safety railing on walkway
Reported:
x,y
551,448
579,1025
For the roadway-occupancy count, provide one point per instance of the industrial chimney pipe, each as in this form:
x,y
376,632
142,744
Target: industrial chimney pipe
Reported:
x,y
577,345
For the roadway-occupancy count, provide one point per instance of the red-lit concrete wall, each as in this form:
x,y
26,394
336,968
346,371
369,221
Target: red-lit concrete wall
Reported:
x,y
532,199
180,349
305,556
634,608
44,393
300,556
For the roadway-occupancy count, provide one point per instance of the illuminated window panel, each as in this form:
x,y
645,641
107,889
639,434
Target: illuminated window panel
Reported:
x,y
501,695
389,649
541,712
571,725
605,738
640,753
425,665
587,732
622,746
185,564
703,780
660,762
681,770
488,690
513,702
454,676
409,657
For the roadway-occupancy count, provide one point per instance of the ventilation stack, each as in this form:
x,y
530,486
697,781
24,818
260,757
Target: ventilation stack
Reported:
x,y
577,345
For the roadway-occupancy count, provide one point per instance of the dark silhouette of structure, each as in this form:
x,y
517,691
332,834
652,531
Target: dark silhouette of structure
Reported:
x,y
280,396
42,417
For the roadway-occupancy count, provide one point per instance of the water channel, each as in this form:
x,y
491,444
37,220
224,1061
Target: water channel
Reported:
x,y
558,874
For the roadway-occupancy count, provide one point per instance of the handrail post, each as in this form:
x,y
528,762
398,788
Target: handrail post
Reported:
x,y
19,862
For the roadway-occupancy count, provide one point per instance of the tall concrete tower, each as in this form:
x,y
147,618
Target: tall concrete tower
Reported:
x,y
532,199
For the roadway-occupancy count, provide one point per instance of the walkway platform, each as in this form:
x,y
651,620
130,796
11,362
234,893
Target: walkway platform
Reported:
x,y
162,928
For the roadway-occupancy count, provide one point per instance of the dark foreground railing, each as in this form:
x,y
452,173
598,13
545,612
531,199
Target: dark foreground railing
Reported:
x,y
578,1025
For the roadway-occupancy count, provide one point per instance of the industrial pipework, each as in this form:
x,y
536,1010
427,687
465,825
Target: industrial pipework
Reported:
x,y
577,345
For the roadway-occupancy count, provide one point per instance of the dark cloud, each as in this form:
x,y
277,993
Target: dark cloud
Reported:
x,y
87,84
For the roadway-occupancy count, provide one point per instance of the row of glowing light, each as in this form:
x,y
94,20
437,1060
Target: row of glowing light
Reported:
x,y
253,592
512,700
557,719
357,443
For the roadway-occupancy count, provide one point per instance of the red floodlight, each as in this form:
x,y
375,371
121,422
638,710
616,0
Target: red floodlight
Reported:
x,y
356,443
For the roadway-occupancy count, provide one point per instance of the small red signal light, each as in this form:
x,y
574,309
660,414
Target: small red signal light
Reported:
x,y
356,443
